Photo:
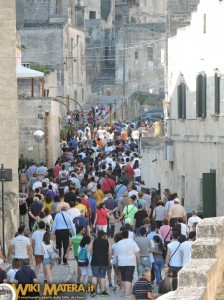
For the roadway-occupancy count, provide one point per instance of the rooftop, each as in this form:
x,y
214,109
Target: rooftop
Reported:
x,y
157,27
43,25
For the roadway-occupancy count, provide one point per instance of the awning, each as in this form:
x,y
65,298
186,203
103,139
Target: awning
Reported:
x,y
22,72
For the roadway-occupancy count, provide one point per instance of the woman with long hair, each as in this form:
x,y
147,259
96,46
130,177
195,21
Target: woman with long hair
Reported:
x,y
86,272
47,247
158,250
48,202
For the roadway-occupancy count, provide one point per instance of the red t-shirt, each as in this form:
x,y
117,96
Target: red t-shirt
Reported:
x,y
57,169
87,204
102,216
129,169
107,184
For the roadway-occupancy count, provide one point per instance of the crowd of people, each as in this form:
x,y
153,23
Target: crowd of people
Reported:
x,y
94,206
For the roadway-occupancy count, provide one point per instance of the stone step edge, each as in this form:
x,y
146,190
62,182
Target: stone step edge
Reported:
x,y
186,293
199,270
201,246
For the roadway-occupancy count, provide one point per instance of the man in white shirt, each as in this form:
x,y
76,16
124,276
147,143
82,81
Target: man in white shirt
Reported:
x,y
37,184
20,246
193,219
128,256
185,248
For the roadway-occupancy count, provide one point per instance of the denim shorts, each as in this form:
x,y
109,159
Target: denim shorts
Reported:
x,y
48,261
99,271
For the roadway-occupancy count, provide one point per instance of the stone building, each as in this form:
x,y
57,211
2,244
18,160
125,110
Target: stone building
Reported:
x,y
37,112
50,38
140,51
97,20
190,158
9,147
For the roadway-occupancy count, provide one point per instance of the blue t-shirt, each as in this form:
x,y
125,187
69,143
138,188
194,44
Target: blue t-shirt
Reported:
x,y
73,144
92,204
52,193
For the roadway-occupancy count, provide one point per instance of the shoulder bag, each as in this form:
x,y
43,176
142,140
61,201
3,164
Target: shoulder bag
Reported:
x,y
70,231
173,254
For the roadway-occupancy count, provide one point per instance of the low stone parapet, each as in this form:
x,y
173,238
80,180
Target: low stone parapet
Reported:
x,y
201,277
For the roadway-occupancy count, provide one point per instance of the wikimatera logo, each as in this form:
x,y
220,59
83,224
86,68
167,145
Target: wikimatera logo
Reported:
x,y
47,291
7,292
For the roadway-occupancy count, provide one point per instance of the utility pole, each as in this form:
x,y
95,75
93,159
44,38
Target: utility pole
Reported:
x,y
110,115
124,57
77,70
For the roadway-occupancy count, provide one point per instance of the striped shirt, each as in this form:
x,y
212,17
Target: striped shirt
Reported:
x,y
141,288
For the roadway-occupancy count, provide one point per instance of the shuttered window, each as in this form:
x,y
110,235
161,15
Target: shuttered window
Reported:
x,y
201,99
217,93
181,100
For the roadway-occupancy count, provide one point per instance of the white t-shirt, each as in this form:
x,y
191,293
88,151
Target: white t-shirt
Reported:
x,y
73,212
54,187
110,136
11,274
37,184
135,134
185,249
131,235
125,251
176,260
20,244
192,220
48,219
137,172
45,249
184,229
92,186
38,238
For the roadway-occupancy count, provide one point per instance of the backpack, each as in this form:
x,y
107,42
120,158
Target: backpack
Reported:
x,y
23,178
83,260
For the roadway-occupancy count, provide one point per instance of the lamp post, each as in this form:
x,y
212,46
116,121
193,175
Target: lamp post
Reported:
x,y
38,137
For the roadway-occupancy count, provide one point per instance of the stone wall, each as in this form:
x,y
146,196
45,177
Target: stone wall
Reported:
x,y
25,87
202,276
179,14
29,123
9,146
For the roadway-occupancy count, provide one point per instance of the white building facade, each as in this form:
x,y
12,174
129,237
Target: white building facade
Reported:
x,y
194,146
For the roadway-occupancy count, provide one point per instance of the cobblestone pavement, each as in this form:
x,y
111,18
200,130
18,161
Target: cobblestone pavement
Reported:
x,y
65,274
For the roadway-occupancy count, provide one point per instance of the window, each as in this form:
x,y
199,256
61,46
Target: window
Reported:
x,y
149,53
201,87
217,93
136,54
204,23
181,100
58,8
92,15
